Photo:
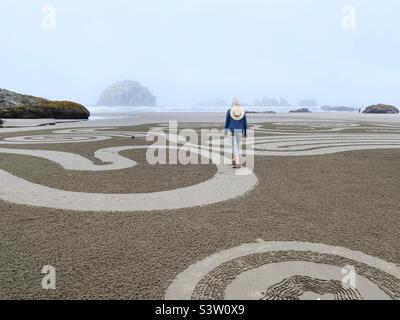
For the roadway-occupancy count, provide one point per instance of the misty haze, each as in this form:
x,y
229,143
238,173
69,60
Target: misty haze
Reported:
x,y
186,52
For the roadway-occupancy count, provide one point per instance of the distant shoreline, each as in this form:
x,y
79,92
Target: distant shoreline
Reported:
x,y
95,110
136,118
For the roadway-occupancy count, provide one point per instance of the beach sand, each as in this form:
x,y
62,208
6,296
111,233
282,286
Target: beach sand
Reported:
x,y
345,199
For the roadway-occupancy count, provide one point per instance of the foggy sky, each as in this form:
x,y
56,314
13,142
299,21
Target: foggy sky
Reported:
x,y
186,51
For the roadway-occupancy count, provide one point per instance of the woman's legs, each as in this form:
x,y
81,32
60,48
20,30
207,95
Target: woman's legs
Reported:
x,y
236,141
233,145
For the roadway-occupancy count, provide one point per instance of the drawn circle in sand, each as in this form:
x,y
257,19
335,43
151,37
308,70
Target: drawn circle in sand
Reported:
x,y
287,271
54,138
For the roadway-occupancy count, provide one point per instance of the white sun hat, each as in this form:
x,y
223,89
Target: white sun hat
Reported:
x,y
237,112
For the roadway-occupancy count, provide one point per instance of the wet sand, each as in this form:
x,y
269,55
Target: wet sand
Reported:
x,y
347,199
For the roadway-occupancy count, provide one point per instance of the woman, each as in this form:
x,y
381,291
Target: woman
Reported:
x,y
236,126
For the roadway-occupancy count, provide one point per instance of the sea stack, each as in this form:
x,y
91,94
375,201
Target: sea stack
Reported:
x,y
126,93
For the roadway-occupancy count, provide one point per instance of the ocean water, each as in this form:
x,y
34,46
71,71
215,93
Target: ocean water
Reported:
x,y
99,112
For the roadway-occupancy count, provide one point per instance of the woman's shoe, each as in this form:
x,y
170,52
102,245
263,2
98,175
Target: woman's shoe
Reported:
x,y
237,166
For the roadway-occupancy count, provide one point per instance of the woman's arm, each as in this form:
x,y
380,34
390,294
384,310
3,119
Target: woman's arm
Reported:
x,y
227,120
245,126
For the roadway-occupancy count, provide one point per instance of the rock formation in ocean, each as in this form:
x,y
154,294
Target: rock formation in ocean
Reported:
x,y
307,103
21,106
337,108
212,103
381,108
268,112
272,102
267,102
127,93
301,110
284,103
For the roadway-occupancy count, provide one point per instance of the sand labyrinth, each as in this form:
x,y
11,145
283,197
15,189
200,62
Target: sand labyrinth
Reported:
x,y
20,191
287,271
267,142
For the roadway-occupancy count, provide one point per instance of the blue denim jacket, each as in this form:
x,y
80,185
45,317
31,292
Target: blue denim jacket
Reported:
x,y
233,125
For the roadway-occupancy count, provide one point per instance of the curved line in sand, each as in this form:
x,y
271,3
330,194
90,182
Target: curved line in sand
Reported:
x,y
20,191
53,139
72,161
319,144
185,283
217,189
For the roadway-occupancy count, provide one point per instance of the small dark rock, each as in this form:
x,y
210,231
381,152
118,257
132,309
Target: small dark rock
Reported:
x,y
301,110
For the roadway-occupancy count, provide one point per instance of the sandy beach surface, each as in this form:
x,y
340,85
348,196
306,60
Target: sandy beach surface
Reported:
x,y
321,206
